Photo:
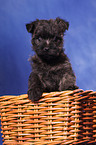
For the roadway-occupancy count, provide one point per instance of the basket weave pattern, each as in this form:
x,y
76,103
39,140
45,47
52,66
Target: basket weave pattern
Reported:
x,y
67,117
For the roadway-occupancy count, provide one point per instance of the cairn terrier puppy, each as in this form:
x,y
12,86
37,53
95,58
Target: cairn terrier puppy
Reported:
x,y
51,68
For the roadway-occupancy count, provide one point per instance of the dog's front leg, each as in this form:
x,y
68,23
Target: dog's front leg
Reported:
x,y
68,82
35,88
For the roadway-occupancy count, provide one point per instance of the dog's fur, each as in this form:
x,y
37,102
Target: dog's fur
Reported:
x,y
51,69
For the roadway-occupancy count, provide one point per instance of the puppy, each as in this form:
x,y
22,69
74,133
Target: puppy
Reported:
x,y
51,68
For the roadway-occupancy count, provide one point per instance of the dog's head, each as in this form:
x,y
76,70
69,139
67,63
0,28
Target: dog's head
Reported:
x,y
47,37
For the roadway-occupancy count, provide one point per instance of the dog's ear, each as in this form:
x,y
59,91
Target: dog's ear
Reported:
x,y
63,25
31,26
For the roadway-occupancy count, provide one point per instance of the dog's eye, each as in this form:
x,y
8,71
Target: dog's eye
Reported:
x,y
39,39
56,39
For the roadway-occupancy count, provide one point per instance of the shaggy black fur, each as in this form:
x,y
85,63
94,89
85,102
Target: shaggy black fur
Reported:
x,y
51,69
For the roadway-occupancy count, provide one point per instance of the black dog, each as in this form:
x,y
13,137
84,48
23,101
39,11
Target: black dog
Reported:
x,y
51,69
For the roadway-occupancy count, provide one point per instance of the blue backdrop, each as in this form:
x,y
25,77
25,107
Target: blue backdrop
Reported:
x,y
15,45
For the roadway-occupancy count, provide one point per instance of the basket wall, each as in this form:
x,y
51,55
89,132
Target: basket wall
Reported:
x,y
67,117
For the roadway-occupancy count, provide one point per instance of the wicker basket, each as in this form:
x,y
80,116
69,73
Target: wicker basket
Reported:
x,y
67,117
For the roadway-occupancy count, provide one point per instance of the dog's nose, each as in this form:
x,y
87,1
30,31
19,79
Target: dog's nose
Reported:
x,y
46,49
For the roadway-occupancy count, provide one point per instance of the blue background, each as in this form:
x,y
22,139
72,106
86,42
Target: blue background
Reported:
x,y
15,45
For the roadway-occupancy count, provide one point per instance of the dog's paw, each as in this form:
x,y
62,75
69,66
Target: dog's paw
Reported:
x,y
73,87
34,95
